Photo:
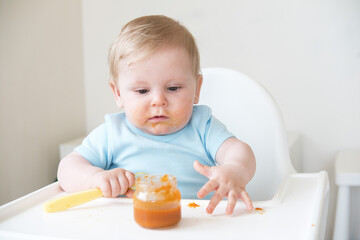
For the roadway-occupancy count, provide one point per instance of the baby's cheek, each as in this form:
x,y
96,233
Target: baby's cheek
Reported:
x,y
180,118
137,116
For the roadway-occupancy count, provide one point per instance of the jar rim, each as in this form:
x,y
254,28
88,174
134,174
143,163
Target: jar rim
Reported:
x,y
155,180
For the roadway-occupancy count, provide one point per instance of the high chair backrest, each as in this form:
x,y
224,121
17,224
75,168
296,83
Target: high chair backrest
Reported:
x,y
252,115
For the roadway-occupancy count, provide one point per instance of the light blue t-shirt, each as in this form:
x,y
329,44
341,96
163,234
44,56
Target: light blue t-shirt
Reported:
x,y
118,144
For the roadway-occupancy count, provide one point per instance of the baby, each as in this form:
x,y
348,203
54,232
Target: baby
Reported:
x,y
155,78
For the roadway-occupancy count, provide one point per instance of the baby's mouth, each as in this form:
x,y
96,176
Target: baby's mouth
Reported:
x,y
156,119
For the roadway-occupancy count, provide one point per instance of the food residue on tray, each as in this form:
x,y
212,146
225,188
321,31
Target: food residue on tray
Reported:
x,y
193,205
259,210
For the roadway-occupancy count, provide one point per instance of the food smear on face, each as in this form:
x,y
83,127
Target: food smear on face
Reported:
x,y
193,205
153,125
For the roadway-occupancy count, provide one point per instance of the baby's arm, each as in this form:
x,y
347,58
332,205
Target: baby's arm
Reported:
x,y
229,179
75,173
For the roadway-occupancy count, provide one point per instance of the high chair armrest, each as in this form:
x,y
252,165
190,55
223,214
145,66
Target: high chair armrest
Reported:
x,y
311,187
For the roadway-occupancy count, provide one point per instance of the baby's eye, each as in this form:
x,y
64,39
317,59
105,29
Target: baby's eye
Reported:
x,y
173,89
142,91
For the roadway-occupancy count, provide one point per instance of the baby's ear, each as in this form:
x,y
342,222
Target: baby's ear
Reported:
x,y
199,82
116,93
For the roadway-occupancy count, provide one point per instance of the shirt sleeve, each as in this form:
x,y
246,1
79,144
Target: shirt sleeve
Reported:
x,y
94,147
212,132
215,134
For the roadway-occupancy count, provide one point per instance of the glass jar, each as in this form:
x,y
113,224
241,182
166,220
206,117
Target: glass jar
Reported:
x,y
156,201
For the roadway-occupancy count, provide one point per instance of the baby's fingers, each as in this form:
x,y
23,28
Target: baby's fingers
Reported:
x,y
202,169
127,180
215,199
231,203
130,177
246,199
129,193
105,187
124,184
232,200
131,181
115,187
207,188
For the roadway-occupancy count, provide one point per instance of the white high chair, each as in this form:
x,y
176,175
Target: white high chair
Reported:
x,y
289,205
251,114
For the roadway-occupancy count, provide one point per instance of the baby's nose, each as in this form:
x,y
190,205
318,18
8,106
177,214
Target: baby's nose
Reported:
x,y
159,99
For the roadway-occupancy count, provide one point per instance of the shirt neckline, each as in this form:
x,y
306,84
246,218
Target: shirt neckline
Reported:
x,y
159,138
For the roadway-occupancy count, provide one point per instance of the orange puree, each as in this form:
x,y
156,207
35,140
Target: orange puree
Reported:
x,y
164,178
157,218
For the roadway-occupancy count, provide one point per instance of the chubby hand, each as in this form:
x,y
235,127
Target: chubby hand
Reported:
x,y
226,181
114,182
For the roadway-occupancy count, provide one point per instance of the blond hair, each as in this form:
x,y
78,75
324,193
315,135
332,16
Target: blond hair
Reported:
x,y
144,35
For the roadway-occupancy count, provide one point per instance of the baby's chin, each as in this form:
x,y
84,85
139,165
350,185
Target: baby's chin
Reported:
x,y
160,132
161,129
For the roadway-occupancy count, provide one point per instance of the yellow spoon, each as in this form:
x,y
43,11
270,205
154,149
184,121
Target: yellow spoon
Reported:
x,y
75,199
72,200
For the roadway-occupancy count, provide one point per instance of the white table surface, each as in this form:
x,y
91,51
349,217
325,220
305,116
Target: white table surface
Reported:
x,y
291,214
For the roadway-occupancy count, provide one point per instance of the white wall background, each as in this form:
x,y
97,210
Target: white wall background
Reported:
x,y
41,90
306,53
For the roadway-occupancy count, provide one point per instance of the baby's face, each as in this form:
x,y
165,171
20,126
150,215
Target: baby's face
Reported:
x,y
158,92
